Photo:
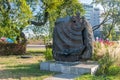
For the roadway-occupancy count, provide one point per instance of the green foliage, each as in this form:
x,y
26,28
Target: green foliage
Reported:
x,y
113,35
56,9
14,15
111,15
92,77
112,74
113,70
111,7
60,8
48,54
97,47
105,62
94,56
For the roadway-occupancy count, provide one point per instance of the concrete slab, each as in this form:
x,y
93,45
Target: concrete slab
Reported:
x,y
62,77
76,68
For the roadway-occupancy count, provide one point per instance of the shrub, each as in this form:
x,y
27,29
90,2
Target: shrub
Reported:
x,y
114,70
105,62
12,49
92,77
103,47
48,54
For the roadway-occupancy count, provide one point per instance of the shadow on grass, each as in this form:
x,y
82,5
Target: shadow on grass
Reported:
x,y
36,53
20,71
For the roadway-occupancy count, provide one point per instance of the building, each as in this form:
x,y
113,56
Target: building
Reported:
x,y
88,12
92,14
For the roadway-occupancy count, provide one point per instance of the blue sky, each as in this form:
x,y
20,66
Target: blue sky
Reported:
x,y
86,1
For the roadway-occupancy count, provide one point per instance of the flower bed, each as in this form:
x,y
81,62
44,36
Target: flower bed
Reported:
x,y
12,49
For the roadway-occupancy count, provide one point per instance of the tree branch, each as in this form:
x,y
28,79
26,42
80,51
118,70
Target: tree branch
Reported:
x,y
97,26
41,23
5,2
8,4
109,32
112,25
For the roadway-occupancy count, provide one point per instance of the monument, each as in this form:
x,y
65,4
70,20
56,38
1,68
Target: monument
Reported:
x,y
72,46
72,39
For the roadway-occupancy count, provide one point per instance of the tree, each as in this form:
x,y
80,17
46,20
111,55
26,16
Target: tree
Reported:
x,y
111,14
13,16
53,9
113,35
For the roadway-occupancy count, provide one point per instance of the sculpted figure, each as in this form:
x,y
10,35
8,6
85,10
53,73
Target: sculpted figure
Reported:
x,y
72,39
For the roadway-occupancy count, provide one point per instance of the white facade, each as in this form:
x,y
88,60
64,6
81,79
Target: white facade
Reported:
x,y
92,14
96,16
88,12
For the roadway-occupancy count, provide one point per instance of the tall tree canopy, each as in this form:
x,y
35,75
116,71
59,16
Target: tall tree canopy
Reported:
x,y
50,10
14,14
53,9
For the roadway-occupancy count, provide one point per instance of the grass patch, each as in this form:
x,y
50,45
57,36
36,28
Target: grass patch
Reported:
x,y
92,77
14,67
112,74
35,50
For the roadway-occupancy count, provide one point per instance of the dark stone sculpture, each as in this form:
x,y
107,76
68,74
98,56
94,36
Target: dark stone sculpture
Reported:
x,y
72,39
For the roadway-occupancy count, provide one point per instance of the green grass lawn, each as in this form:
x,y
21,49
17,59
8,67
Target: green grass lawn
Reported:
x,y
35,50
92,77
17,68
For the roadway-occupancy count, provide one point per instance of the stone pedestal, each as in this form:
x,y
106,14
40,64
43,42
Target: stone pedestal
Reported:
x,y
70,67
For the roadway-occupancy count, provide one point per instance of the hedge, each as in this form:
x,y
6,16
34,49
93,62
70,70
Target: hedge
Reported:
x,y
12,49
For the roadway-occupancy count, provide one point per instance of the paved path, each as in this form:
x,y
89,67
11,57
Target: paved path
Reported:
x,y
35,46
62,77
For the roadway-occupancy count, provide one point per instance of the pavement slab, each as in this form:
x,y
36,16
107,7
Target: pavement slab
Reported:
x,y
62,77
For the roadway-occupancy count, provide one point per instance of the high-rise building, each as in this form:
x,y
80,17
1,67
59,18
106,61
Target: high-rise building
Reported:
x,y
92,14
88,12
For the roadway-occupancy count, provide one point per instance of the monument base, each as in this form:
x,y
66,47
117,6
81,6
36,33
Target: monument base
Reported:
x,y
70,67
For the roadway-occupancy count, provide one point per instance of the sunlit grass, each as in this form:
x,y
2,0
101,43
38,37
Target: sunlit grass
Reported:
x,y
35,49
17,68
92,77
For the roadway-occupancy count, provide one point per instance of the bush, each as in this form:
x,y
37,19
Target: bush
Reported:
x,y
114,70
12,49
103,47
106,53
48,54
92,77
105,62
